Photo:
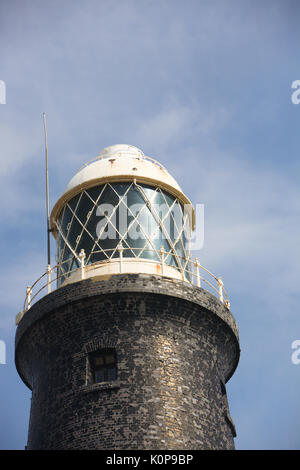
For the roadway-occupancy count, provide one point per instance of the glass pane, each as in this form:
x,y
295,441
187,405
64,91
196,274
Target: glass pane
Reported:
x,y
109,359
86,243
109,196
123,219
65,267
185,241
121,188
177,219
135,239
160,205
84,207
73,202
149,192
98,360
160,240
97,256
94,192
60,244
91,225
75,231
99,375
129,250
111,373
66,220
170,260
149,253
169,199
74,265
134,197
109,238
148,222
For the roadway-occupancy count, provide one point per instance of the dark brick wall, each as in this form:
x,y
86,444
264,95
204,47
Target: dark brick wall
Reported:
x,y
175,343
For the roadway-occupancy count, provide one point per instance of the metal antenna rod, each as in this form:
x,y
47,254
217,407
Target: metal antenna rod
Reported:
x,y
47,192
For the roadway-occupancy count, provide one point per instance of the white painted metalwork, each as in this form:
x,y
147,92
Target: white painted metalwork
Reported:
x,y
28,295
125,266
220,286
197,266
82,258
162,255
120,250
49,278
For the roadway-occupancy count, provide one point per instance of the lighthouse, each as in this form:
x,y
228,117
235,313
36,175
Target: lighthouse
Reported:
x,y
127,342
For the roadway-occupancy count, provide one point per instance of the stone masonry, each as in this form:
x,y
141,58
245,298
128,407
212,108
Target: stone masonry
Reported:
x,y
176,345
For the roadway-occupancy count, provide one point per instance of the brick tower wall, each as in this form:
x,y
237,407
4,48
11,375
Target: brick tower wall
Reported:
x,y
176,346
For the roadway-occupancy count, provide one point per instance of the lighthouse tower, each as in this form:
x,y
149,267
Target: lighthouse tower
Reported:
x,y
127,342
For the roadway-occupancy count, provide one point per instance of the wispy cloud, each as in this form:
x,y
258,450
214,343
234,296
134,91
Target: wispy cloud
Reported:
x,y
205,90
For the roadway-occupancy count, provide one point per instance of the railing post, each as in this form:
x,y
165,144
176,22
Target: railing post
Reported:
x,y
120,250
82,258
162,254
49,278
28,295
220,285
197,266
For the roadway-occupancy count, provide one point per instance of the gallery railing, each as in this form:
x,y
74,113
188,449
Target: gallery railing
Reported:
x,y
189,271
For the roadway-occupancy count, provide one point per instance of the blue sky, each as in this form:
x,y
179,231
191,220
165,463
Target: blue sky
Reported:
x,y
205,88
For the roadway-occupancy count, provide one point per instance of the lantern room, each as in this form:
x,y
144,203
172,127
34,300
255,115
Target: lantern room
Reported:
x,y
122,212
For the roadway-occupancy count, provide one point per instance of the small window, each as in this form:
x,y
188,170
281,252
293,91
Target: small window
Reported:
x,y
103,365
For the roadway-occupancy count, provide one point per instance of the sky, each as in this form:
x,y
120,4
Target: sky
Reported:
x,y
204,87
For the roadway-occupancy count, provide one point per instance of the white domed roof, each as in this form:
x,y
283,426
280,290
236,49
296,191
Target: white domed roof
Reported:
x,y
119,163
120,150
